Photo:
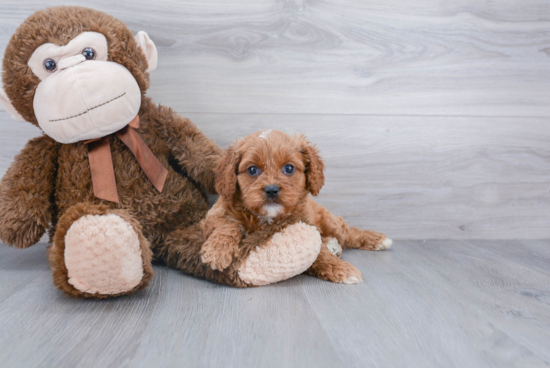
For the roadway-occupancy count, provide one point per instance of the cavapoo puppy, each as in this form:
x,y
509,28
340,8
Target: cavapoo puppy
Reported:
x,y
265,180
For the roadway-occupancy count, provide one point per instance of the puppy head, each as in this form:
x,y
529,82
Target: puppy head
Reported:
x,y
270,172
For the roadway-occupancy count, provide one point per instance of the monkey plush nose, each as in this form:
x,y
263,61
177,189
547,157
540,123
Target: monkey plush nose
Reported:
x,y
71,61
271,191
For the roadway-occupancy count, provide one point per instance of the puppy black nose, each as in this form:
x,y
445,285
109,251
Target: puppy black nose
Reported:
x,y
271,191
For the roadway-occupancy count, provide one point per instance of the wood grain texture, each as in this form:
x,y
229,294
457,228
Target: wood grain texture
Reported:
x,y
432,115
446,303
409,177
339,57
422,177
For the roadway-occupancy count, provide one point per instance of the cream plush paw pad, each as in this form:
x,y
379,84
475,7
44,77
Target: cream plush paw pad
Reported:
x,y
102,255
287,254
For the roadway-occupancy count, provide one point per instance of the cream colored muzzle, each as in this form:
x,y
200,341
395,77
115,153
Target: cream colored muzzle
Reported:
x,y
86,99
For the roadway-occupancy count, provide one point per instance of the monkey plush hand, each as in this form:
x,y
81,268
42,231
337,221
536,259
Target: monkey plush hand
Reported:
x,y
114,175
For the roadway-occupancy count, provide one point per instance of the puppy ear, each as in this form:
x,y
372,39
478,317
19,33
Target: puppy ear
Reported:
x,y
315,177
226,174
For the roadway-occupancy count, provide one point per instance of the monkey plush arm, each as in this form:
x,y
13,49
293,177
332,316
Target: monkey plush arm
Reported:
x,y
26,193
195,152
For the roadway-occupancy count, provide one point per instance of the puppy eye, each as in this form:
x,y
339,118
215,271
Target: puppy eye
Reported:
x,y
89,53
288,169
253,170
50,65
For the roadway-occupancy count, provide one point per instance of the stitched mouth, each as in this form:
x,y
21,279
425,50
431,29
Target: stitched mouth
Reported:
x,y
90,109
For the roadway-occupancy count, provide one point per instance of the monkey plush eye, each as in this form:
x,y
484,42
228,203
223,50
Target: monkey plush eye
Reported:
x,y
253,170
50,65
288,169
89,53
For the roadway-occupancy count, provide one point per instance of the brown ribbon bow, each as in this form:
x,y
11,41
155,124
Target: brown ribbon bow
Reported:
x,y
101,162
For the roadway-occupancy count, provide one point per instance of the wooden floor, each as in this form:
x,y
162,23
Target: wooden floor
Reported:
x,y
424,304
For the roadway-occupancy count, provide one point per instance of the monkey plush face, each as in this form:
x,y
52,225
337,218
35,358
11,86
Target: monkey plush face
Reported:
x,y
81,94
78,84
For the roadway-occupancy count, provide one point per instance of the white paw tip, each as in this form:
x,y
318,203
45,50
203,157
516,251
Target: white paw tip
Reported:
x,y
386,244
334,247
352,280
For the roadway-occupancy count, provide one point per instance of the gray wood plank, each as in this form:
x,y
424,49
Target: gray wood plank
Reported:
x,y
20,268
410,177
43,328
534,254
453,306
434,303
219,326
460,57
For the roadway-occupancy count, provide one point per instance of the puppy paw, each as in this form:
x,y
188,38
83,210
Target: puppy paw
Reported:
x,y
353,280
218,253
340,272
349,274
370,240
386,244
334,247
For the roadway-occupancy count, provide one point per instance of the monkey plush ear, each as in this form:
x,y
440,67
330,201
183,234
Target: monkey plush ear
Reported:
x,y
315,177
148,48
226,174
6,104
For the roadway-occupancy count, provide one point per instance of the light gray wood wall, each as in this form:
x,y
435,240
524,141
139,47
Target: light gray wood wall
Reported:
x,y
433,116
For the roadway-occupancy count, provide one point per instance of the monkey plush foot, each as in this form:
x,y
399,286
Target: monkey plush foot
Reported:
x,y
100,255
287,254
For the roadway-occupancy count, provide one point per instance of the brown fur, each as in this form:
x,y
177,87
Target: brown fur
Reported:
x,y
26,193
329,267
238,212
49,184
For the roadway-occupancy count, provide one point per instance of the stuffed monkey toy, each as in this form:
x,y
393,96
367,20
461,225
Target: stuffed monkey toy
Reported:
x,y
115,179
